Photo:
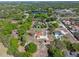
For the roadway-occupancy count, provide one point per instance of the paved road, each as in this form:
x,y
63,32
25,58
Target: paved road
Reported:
x,y
73,38
69,17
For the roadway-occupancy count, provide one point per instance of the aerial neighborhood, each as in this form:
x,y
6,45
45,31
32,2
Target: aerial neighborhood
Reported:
x,y
39,29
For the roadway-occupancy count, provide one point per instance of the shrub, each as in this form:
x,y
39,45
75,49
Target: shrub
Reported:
x,y
76,46
23,54
31,48
55,52
13,46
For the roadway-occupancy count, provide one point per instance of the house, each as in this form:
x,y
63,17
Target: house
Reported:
x,y
65,12
67,22
58,35
42,36
76,28
63,31
71,54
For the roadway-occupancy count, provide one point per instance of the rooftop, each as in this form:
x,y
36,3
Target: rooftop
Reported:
x,y
41,35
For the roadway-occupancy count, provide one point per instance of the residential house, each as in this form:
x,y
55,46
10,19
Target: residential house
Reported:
x,y
58,35
63,31
70,54
67,22
42,36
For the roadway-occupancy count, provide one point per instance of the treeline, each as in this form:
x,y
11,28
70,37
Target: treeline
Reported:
x,y
55,4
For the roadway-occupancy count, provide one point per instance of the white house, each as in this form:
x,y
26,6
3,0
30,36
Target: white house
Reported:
x,y
58,35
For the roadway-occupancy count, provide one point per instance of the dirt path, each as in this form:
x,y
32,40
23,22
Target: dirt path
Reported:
x,y
3,51
41,50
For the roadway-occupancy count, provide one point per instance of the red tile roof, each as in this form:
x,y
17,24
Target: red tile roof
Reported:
x,y
38,33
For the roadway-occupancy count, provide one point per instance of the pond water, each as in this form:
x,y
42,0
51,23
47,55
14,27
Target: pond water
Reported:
x,y
35,12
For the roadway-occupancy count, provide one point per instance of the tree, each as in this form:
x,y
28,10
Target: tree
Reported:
x,y
5,39
41,15
56,49
55,52
13,49
13,46
53,25
50,11
69,45
31,47
16,14
25,26
76,46
59,44
8,27
23,54
50,19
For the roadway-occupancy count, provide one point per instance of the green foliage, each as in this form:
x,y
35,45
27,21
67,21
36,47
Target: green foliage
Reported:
x,y
59,44
71,46
23,39
24,54
5,32
8,27
13,47
50,11
55,52
31,48
1,24
41,15
68,45
55,25
56,49
16,14
76,46
51,19
25,26
5,39
62,15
